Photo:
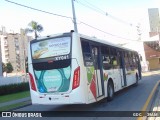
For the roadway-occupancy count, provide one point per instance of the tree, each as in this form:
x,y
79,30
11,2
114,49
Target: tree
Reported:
x,y
33,26
7,67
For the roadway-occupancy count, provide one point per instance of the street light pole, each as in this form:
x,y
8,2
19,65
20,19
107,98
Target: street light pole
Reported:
x,y
74,17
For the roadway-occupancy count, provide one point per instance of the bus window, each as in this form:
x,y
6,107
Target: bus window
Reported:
x,y
135,61
87,56
106,58
127,61
114,58
131,63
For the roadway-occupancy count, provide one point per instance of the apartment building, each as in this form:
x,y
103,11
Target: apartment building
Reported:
x,y
152,51
153,14
14,49
152,46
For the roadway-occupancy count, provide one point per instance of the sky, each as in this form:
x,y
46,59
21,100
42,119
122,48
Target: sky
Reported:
x,y
121,21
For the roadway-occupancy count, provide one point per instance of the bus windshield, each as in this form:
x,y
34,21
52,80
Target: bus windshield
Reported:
x,y
52,64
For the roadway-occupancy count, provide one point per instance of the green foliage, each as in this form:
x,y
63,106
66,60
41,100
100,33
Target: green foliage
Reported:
x,y
33,26
14,96
7,67
13,88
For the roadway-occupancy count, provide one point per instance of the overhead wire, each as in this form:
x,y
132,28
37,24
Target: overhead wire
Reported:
x,y
38,9
91,7
80,22
107,32
98,10
95,6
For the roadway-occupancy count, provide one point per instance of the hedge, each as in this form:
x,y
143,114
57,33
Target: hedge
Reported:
x,y
13,88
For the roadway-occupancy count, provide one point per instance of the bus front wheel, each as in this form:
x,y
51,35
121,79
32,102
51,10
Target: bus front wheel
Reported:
x,y
110,90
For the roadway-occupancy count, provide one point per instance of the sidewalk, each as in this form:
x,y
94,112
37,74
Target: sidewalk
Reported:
x,y
15,101
153,72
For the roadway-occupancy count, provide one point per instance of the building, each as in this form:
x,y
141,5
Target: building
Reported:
x,y
154,19
152,52
14,49
152,46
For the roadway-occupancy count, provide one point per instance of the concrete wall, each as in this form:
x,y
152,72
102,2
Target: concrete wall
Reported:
x,y
13,80
154,63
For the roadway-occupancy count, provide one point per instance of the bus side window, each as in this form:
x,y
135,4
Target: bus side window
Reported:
x,y
127,61
134,60
106,62
137,61
131,61
114,58
87,56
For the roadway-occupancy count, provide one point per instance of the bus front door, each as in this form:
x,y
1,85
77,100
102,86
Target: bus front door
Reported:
x,y
98,71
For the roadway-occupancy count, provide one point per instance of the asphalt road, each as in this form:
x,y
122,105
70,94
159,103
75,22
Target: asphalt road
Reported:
x,y
130,99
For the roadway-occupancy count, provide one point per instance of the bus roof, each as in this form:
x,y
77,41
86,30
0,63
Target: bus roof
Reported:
x,y
85,37
104,42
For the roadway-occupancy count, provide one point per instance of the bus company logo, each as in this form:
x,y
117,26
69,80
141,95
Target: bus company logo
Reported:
x,y
6,114
21,114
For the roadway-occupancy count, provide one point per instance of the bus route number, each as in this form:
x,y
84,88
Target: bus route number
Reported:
x,y
63,57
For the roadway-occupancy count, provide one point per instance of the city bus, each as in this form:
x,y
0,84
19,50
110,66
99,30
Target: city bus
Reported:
x,y
72,68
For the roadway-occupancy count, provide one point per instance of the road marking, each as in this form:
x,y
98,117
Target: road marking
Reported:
x,y
149,99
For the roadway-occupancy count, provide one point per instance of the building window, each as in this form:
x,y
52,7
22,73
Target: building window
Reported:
x,y
159,60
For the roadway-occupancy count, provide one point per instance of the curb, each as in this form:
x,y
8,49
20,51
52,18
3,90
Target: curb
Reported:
x,y
15,101
13,109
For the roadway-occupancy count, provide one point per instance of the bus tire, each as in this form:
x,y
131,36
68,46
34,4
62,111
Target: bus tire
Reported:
x,y
110,91
136,80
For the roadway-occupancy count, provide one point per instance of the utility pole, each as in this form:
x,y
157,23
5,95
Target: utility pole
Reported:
x,y
74,17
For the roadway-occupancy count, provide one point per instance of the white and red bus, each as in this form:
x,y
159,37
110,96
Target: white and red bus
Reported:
x,y
71,68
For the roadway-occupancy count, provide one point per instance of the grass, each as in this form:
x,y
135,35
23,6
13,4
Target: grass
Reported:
x,y
13,106
14,96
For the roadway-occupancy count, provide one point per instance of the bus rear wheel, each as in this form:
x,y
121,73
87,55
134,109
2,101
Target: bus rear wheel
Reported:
x,y
136,80
110,91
